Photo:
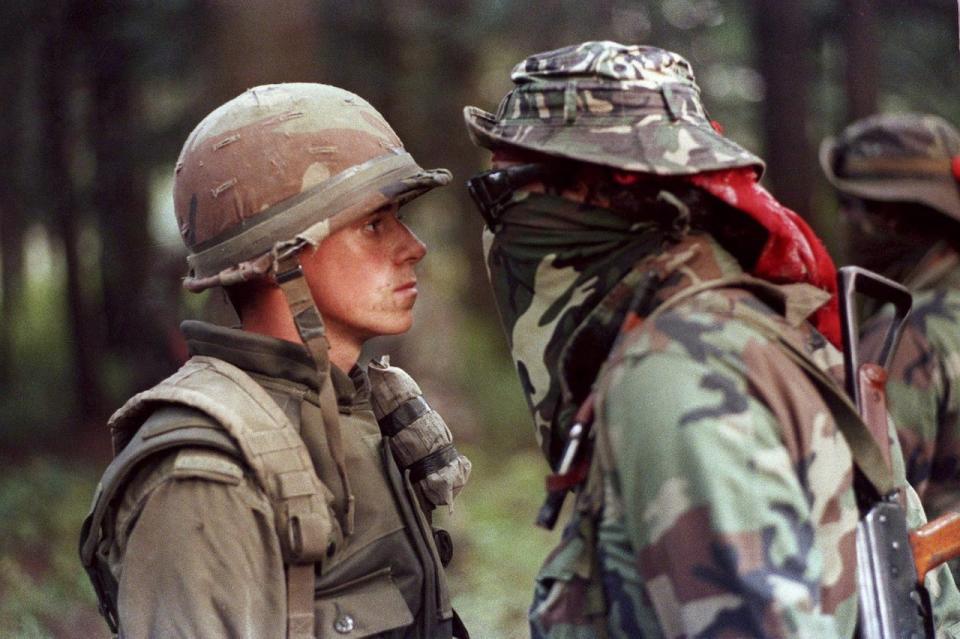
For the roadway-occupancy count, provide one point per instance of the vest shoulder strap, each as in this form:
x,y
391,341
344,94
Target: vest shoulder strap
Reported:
x,y
209,402
269,444
169,427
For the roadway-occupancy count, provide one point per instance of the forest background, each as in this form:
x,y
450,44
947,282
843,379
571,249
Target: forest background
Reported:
x,y
98,96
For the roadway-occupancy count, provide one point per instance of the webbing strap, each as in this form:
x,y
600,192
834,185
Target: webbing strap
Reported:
x,y
309,323
300,606
432,463
403,415
937,263
269,443
866,452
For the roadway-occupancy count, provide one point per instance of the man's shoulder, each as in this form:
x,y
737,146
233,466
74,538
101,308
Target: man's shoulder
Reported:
x,y
725,343
706,330
681,361
173,442
193,481
189,462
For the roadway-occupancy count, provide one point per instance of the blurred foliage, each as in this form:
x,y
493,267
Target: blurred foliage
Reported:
x,y
497,548
43,592
99,96
416,60
39,346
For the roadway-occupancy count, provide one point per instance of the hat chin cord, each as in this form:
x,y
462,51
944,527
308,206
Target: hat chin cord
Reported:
x,y
288,274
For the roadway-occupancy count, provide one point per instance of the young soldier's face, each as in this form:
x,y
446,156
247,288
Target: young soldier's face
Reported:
x,y
362,277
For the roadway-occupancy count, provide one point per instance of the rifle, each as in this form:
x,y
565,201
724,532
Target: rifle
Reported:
x,y
892,561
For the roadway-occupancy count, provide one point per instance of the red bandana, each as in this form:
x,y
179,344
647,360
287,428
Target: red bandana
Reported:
x,y
793,253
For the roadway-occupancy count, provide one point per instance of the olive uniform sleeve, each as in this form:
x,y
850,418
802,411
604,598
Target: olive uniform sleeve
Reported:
x,y
724,519
197,554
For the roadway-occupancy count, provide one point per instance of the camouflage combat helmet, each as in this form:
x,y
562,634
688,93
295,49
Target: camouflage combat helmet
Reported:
x,y
280,167
906,157
635,108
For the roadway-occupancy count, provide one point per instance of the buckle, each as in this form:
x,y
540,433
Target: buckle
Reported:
x,y
289,274
492,190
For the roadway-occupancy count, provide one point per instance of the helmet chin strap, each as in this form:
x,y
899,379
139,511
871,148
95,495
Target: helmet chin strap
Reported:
x,y
289,276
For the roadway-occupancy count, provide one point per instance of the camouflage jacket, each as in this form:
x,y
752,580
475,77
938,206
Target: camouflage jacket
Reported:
x,y
924,382
720,499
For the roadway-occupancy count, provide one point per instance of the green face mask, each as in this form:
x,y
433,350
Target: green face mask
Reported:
x,y
550,263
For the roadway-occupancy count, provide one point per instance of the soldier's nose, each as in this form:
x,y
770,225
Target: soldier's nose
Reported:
x,y
412,249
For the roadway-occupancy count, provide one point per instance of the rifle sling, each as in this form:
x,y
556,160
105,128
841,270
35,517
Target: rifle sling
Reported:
x,y
866,451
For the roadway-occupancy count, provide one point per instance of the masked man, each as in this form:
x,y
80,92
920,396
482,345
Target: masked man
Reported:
x,y
271,487
642,275
897,176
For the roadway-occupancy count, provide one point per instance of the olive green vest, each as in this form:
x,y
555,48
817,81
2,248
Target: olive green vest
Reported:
x,y
384,580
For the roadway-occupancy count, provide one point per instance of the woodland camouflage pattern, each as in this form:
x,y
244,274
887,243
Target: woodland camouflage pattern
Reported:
x,y
908,159
924,382
720,500
724,507
636,108
547,282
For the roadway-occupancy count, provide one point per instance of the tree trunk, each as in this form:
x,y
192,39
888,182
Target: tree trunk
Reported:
x,y
11,210
861,57
262,43
783,54
120,194
55,88
11,263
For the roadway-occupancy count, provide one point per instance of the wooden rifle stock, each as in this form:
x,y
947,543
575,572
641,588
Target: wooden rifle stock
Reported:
x,y
935,543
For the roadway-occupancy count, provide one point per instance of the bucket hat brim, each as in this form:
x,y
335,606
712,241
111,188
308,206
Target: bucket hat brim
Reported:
x,y
936,191
670,147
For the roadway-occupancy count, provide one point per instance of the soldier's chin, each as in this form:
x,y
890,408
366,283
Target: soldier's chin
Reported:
x,y
399,323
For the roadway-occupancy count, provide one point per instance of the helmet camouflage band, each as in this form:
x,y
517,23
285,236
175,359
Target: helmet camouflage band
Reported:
x,y
906,157
635,108
280,167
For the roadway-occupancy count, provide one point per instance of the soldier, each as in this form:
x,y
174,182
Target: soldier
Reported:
x,y
271,487
643,275
897,176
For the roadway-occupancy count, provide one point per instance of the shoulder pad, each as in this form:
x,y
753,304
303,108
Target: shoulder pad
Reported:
x,y
169,427
174,417
207,464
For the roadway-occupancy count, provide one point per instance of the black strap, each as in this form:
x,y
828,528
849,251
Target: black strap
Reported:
x,y
459,630
403,415
432,462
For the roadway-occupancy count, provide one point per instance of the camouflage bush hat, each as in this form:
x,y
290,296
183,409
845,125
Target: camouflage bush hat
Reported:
x,y
281,167
906,157
635,108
